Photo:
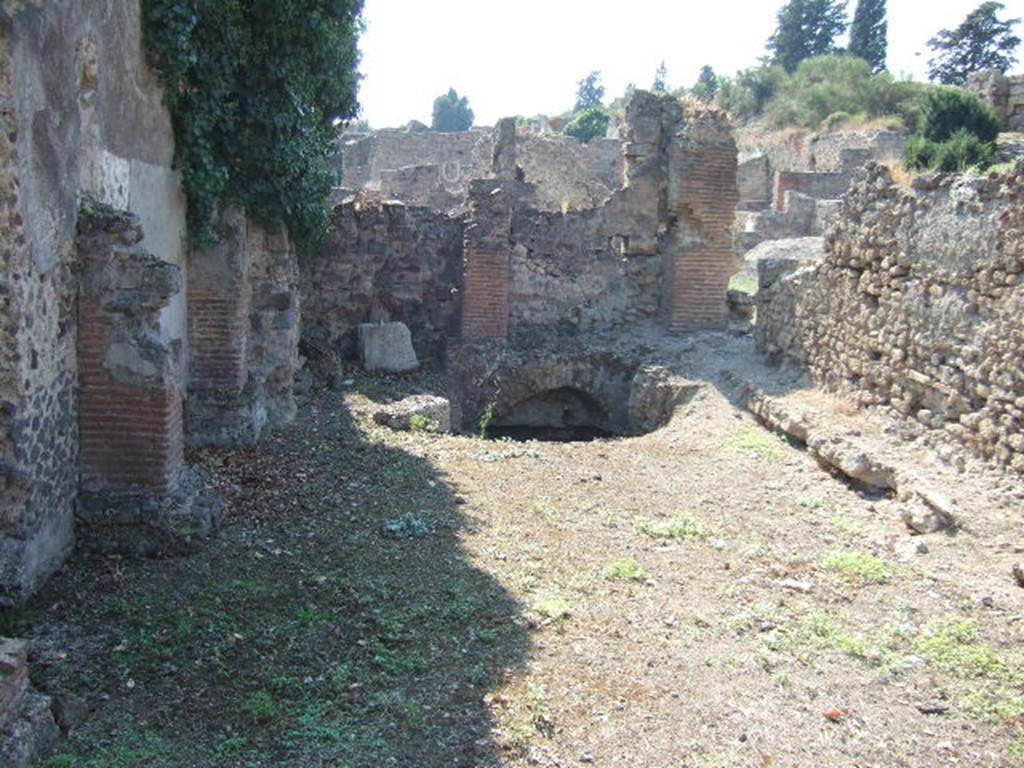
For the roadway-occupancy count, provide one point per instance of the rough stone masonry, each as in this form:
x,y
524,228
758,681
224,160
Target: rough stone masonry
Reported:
x,y
918,305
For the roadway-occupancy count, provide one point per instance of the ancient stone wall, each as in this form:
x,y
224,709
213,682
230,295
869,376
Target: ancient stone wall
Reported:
x,y
821,186
661,246
807,152
433,170
1004,93
80,111
567,273
130,402
243,332
384,261
918,305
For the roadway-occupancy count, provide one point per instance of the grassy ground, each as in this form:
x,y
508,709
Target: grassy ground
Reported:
x,y
702,596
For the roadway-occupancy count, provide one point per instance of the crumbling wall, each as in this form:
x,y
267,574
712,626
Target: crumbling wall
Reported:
x,y
801,151
384,261
433,170
459,157
80,111
243,330
918,305
573,272
1004,93
661,246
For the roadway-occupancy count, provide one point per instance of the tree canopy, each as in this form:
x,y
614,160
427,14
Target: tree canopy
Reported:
x,y
982,41
806,28
869,33
707,84
660,84
255,89
589,92
452,113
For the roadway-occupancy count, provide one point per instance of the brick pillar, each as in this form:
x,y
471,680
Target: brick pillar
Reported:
x,y
218,308
487,254
130,401
703,195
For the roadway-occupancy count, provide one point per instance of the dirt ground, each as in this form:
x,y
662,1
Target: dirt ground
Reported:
x,y
705,595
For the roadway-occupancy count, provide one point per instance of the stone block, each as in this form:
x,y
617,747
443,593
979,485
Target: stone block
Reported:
x,y
426,413
387,347
13,678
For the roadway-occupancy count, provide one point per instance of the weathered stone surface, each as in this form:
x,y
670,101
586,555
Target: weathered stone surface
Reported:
x,y
384,261
927,510
427,413
917,307
549,386
82,113
31,733
144,524
433,170
1004,93
387,347
13,678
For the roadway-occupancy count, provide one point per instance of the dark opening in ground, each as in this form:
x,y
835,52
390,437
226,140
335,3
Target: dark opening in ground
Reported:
x,y
548,434
561,415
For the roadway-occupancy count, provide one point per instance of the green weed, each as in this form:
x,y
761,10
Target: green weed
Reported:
x,y
263,706
857,566
625,570
756,440
675,528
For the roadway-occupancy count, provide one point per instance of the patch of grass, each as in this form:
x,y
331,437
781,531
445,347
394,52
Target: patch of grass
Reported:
x,y
419,422
263,706
675,528
547,510
1017,749
755,440
232,746
744,283
133,749
553,608
847,527
627,569
857,566
812,503
952,644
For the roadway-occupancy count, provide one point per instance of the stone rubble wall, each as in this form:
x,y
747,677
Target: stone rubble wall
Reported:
x,y
918,305
243,331
384,261
130,390
568,273
433,170
1004,93
80,111
659,247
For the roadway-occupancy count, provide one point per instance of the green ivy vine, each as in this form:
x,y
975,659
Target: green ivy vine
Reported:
x,y
256,89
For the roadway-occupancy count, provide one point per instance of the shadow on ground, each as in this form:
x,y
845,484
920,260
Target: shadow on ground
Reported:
x,y
335,622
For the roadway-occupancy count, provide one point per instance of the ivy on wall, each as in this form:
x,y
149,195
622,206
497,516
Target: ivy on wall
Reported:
x,y
255,89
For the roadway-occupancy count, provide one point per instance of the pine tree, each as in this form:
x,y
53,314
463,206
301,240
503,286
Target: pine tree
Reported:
x,y
589,92
806,28
452,113
869,33
707,84
982,41
660,84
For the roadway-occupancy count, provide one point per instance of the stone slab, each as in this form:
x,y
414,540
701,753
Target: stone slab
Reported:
x,y
387,347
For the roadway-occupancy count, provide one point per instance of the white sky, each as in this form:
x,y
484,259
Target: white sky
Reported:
x,y
524,57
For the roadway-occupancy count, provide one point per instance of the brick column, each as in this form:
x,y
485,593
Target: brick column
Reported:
x,y
130,401
487,254
703,195
218,308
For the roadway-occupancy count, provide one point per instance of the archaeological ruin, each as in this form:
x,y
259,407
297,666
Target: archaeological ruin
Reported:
x,y
562,291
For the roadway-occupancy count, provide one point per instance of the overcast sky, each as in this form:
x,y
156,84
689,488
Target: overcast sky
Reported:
x,y
524,57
